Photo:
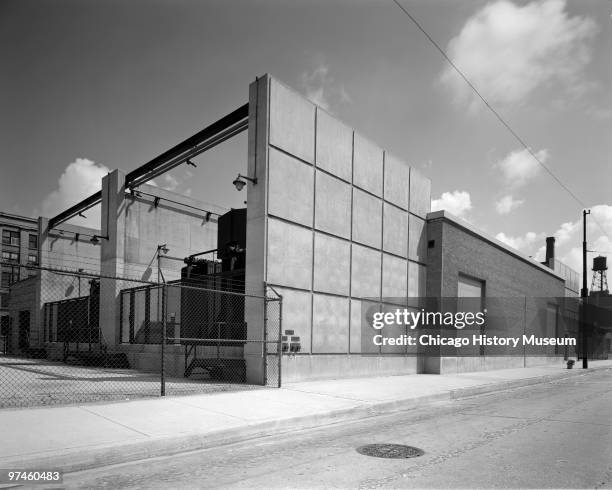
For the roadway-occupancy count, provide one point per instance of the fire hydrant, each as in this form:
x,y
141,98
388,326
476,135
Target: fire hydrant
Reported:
x,y
570,364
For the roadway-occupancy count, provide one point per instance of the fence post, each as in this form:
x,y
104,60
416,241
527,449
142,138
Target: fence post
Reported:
x,y
265,338
280,337
163,341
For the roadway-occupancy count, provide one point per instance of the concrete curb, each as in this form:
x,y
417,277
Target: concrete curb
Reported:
x,y
77,459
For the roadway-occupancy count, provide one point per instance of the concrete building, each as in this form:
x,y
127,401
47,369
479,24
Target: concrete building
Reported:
x,y
333,223
333,219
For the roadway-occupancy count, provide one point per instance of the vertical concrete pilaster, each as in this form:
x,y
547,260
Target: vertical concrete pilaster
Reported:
x,y
256,226
112,253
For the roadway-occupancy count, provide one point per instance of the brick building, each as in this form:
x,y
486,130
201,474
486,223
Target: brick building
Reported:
x,y
19,247
527,296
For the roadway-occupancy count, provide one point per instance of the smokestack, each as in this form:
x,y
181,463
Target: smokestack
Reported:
x,y
550,252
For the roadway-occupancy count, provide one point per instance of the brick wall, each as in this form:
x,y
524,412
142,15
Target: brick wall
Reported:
x,y
517,290
459,250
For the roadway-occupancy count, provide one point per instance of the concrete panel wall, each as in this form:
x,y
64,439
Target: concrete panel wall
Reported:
x,y
289,255
367,165
297,314
328,223
69,247
417,239
145,226
420,191
397,173
134,226
395,230
332,262
334,146
292,122
366,272
290,181
394,273
333,206
367,219
330,324
417,280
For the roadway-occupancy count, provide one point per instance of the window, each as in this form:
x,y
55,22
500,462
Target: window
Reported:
x,y
10,256
4,298
9,277
10,237
6,279
32,259
33,242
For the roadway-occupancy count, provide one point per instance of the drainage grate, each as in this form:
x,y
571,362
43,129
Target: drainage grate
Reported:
x,y
390,451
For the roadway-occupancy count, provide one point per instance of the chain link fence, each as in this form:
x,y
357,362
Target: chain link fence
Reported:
x,y
545,328
75,336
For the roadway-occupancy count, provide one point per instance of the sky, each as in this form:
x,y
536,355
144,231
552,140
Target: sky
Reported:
x,y
87,86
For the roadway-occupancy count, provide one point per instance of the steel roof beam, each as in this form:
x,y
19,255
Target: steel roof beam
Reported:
x,y
217,132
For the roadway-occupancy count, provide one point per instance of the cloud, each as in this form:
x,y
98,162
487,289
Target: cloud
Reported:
x,y
519,167
322,89
79,180
456,202
568,242
508,51
507,204
569,238
170,182
522,243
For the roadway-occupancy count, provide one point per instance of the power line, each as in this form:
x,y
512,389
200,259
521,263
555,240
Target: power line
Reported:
x,y
495,113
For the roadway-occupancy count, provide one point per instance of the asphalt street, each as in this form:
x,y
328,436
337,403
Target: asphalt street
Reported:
x,y
551,435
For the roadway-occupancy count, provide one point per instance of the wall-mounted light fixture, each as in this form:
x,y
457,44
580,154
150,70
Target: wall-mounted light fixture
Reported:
x,y
96,239
156,201
239,183
189,162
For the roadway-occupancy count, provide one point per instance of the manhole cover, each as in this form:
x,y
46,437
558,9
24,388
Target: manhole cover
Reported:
x,y
390,451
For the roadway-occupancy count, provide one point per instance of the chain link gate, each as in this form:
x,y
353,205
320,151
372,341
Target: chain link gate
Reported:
x,y
73,336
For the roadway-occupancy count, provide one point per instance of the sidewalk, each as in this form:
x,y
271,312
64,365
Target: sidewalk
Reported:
x,y
78,437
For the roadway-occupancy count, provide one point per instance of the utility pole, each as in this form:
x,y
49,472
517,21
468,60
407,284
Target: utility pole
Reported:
x,y
584,292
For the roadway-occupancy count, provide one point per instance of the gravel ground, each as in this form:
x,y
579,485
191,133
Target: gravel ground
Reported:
x,y
40,382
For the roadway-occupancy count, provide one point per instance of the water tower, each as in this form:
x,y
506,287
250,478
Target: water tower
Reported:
x,y
599,285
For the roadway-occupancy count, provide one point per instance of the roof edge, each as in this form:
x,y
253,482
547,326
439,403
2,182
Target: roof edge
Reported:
x,y
470,228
